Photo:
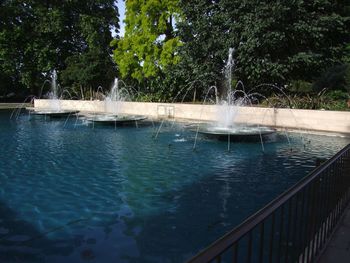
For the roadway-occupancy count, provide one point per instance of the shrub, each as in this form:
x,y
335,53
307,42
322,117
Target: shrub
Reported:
x,y
347,79
301,86
337,95
335,78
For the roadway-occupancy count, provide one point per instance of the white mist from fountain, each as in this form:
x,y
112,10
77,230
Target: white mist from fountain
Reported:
x,y
54,108
228,107
227,110
54,101
112,109
227,114
113,99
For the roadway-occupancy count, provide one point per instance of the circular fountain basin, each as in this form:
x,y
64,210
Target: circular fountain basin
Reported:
x,y
234,133
114,119
53,113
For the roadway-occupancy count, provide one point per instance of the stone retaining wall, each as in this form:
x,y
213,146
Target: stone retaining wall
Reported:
x,y
317,120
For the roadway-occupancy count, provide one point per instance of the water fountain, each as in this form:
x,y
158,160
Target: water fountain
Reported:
x,y
113,103
54,109
226,126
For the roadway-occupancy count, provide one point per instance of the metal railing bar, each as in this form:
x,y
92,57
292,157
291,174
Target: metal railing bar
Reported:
x,y
301,232
311,220
330,236
262,237
249,250
288,225
237,233
235,253
328,208
324,208
294,226
307,220
280,239
272,234
317,217
332,199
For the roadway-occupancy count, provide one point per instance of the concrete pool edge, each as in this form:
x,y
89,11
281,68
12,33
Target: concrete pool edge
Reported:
x,y
13,105
335,122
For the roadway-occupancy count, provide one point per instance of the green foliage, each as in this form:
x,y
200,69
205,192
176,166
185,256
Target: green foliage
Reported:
x,y
94,66
280,42
287,40
332,100
37,36
149,45
347,79
346,57
335,78
205,49
149,97
337,95
275,42
300,86
89,70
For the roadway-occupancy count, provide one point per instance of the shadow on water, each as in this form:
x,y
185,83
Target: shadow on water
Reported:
x,y
202,212
135,200
173,234
21,242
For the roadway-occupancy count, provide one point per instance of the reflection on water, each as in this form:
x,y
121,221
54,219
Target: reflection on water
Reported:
x,y
76,194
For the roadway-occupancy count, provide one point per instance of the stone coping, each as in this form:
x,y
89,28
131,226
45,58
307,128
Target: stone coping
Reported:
x,y
337,122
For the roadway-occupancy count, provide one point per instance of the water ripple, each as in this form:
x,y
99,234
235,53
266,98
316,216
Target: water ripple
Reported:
x,y
70,189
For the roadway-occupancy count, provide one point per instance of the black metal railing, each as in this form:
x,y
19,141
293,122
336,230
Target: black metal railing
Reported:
x,y
294,227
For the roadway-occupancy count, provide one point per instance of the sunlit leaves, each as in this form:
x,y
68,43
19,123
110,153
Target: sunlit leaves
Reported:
x,y
149,45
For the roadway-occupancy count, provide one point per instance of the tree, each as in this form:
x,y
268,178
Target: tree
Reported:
x,y
285,40
89,70
13,28
150,42
37,36
93,65
203,32
275,42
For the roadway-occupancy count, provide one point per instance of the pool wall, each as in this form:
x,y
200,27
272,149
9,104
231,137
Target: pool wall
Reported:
x,y
312,120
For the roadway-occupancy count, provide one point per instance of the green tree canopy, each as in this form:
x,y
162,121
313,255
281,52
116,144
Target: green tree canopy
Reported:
x,y
89,70
285,40
203,32
150,43
37,36
93,65
275,42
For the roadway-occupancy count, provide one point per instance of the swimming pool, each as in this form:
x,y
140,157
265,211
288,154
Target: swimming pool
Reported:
x,y
71,193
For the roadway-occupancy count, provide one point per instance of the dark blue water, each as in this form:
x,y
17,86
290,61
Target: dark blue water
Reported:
x,y
76,194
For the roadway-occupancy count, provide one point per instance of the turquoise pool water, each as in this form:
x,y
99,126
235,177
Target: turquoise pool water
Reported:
x,y
76,194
